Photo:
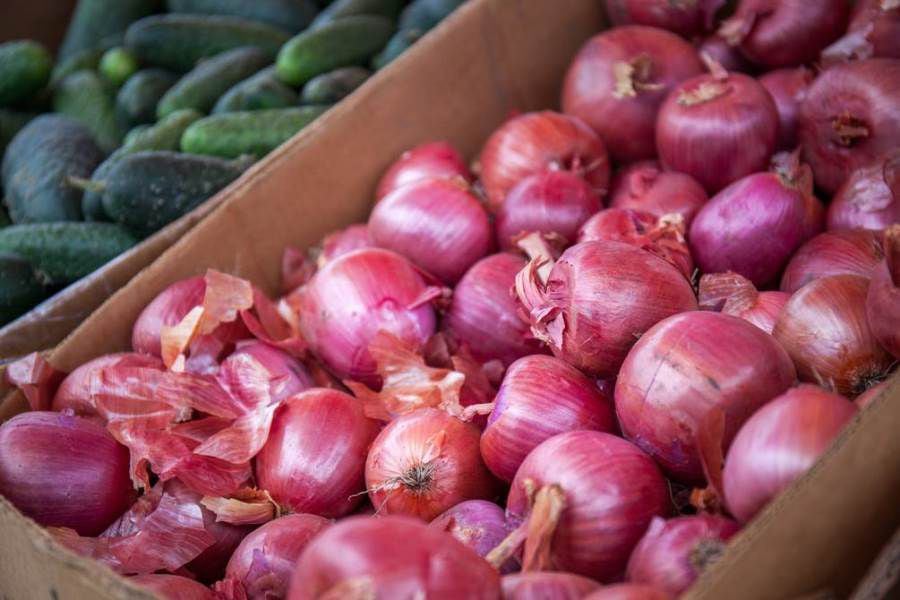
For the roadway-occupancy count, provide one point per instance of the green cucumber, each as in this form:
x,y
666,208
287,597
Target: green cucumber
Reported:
x,y
19,287
137,100
398,44
290,15
249,132
422,15
117,65
24,69
349,8
85,97
85,59
95,21
329,88
259,92
341,43
11,122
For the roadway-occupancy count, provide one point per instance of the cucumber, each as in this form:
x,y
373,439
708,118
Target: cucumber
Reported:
x,y
85,59
422,15
117,65
177,42
259,92
137,100
203,85
249,132
85,97
341,43
329,88
11,122
134,133
290,15
38,162
65,252
348,8
4,218
19,287
147,190
24,69
398,44
95,20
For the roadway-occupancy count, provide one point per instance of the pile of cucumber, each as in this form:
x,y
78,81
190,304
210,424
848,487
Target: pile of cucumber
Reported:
x,y
153,106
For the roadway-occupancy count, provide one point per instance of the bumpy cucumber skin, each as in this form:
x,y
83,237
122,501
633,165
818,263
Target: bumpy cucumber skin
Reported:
x,y
256,133
36,166
19,287
348,8
65,252
259,92
206,82
341,43
422,15
331,87
137,100
85,97
117,65
25,68
94,21
290,15
177,42
11,123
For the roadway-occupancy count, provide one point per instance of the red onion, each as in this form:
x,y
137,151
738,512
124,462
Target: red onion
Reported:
x,y
686,366
874,31
717,128
865,200
354,297
853,252
824,329
725,54
435,223
64,471
783,33
850,118
687,18
628,591
753,226
479,524
788,89
543,585
314,459
425,462
598,299
265,560
618,80
866,398
883,299
673,553
173,587
391,557
288,375
209,565
644,186
344,241
735,295
527,411
778,444
75,390
431,160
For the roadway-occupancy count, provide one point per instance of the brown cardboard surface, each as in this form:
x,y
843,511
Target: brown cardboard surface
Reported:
x,y
43,21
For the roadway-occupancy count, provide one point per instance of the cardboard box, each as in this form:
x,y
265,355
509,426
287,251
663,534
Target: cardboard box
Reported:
x,y
488,59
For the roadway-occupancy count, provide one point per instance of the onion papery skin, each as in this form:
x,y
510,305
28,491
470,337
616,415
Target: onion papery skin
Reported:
x,y
209,565
391,557
725,54
536,142
644,186
75,390
852,252
687,19
550,202
541,585
529,410
717,130
478,524
618,80
735,295
345,241
435,223
673,553
850,118
867,397
686,366
314,459
484,315
288,375
64,471
628,591
425,462
874,31
166,310
788,89
264,562
427,161
173,587
778,444
883,299
865,200
354,297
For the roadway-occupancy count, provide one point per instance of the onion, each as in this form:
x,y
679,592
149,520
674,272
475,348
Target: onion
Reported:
x,y
867,397
725,54
354,297
173,587
854,252
683,368
545,585
883,299
778,444
644,186
687,18
598,299
735,295
428,161
265,560
673,553
287,374
753,226
788,89
527,411
479,524
628,591
75,391
618,80
865,200
314,459
435,223
425,462
344,241
209,565
783,33
824,329
850,118
717,128
166,310
391,557
874,31
64,471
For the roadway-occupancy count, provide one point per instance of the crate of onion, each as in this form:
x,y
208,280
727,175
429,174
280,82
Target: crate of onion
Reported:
x,y
600,312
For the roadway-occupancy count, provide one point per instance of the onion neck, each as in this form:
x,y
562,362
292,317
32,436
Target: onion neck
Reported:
x,y
892,253
355,588
887,5
849,131
707,91
737,28
633,77
549,504
706,552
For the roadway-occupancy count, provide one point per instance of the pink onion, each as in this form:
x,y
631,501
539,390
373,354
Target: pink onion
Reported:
x,y
209,565
852,252
528,411
479,524
64,471
543,585
788,89
673,553
644,186
874,31
618,80
344,241
75,391
686,18
865,200
288,375
883,299
725,54
427,161
628,591
735,295
166,310
866,398
686,366
778,444
173,587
